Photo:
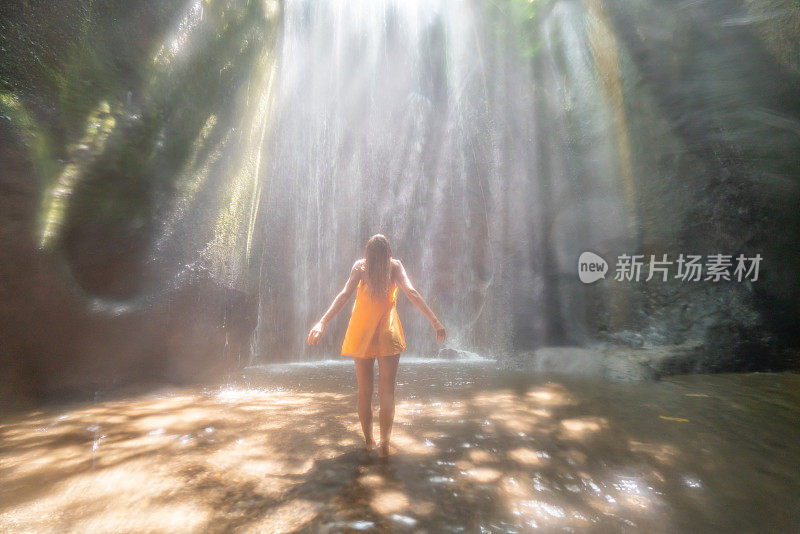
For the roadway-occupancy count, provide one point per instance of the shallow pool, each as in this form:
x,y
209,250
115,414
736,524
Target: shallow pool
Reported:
x,y
480,449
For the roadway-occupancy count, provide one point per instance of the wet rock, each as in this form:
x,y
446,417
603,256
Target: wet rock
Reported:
x,y
615,362
623,363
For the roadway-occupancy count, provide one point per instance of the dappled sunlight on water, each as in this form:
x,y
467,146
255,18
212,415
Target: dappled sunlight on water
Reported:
x,y
280,450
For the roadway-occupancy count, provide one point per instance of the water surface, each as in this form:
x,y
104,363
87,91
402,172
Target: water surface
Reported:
x,y
480,449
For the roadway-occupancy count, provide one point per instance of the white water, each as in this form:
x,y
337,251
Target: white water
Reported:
x,y
424,121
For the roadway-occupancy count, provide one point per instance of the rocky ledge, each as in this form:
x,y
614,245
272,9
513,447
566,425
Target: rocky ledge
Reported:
x,y
617,362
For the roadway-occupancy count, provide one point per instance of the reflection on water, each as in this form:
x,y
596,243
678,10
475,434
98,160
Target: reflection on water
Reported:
x,y
480,450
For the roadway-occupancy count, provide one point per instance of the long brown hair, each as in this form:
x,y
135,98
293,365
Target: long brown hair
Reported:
x,y
378,255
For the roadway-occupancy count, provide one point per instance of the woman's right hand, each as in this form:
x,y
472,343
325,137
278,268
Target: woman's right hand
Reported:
x,y
440,333
316,333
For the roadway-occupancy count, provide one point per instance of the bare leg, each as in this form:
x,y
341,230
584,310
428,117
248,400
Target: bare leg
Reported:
x,y
387,375
365,376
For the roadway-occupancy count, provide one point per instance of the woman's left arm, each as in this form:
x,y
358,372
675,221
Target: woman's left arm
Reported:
x,y
337,304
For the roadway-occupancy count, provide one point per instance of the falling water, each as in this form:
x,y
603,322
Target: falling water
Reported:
x,y
427,122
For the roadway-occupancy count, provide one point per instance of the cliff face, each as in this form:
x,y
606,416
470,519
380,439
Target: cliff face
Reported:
x,y
185,186
121,182
711,97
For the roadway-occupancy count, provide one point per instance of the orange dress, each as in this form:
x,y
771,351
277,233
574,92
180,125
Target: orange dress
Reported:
x,y
374,328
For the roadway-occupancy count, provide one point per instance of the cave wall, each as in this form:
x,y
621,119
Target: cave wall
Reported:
x,y
120,208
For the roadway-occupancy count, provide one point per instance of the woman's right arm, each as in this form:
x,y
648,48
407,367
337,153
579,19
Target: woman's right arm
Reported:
x,y
403,282
337,304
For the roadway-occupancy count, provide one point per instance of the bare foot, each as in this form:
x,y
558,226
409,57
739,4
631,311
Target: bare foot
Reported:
x,y
383,450
370,446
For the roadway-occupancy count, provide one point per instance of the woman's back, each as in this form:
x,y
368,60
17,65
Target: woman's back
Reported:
x,y
374,328
391,288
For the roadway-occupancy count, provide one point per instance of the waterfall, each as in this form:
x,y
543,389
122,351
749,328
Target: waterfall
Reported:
x,y
428,122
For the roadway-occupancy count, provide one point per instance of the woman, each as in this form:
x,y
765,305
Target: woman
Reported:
x,y
375,331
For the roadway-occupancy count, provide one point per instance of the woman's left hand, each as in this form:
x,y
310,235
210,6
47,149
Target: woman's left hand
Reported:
x,y
316,333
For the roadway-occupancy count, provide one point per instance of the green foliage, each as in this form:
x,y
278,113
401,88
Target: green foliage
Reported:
x,y
36,138
518,19
114,107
